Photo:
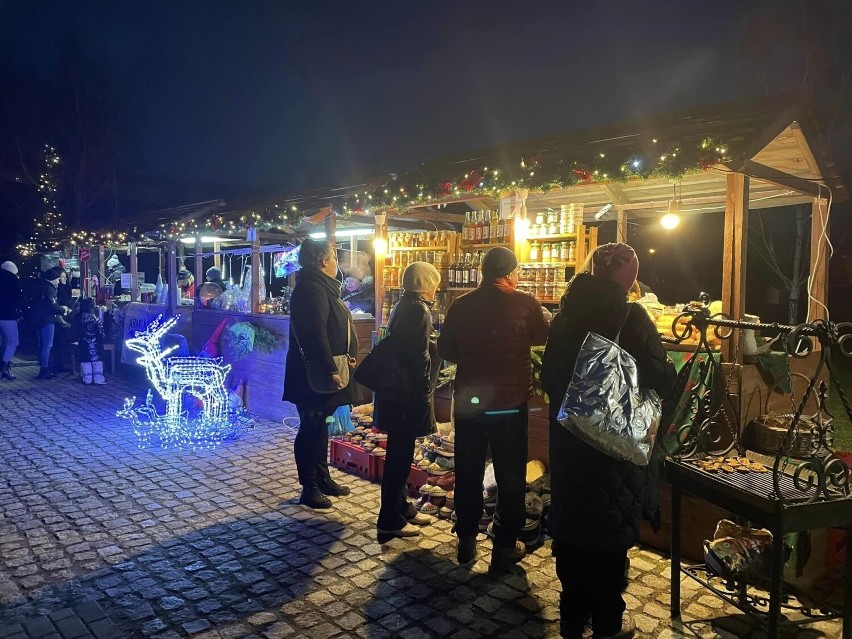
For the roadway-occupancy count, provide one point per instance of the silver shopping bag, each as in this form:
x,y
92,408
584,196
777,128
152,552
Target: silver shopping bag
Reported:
x,y
604,405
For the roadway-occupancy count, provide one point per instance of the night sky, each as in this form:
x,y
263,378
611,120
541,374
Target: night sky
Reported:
x,y
281,96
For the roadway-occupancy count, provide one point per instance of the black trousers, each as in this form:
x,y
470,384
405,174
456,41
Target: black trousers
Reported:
x,y
395,507
506,432
592,582
311,446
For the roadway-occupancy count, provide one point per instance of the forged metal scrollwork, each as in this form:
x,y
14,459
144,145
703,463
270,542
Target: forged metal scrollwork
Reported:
x,y
817,474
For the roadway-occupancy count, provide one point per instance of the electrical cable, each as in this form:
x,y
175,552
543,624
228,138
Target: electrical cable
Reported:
x,y
829,252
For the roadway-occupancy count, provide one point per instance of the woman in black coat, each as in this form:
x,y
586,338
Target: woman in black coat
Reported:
x,y
597,501
320,328
411,324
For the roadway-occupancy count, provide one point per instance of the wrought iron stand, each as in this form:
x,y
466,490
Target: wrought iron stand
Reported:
x,y
815,495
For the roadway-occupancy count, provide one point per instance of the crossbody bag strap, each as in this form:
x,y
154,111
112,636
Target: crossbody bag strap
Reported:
x,y
621,324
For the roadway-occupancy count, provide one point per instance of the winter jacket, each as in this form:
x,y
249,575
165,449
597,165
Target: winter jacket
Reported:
x,y
63,295
411,325
90,337
598,501
11,296
45,308
319,323
488,333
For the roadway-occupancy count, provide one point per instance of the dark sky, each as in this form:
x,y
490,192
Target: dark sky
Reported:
x,y
287,95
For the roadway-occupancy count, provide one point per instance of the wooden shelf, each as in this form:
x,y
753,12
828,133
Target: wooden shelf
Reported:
x,y
419,248
464,246
571,264
461,288
545,238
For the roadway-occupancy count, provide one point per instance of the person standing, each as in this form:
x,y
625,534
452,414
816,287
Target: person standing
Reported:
x,y
411,324
214,276
11,312
320,328
597,501
90,343
46,313
62,337
488,333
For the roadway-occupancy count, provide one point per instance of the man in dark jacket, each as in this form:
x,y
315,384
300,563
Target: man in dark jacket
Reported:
x,y
597,501
46,313
488,333
214,276
11,311
320,328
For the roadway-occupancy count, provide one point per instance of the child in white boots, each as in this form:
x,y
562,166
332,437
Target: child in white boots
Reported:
x,y
90,340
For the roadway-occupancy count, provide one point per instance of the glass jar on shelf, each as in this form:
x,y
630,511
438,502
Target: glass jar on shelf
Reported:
x,y
535,252
545,252
572,251
539,218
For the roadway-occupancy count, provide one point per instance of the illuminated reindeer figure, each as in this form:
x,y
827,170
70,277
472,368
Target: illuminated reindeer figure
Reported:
x,y
173,377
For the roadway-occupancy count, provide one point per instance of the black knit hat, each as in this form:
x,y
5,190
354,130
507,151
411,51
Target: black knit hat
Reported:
x,y
498,262
52,273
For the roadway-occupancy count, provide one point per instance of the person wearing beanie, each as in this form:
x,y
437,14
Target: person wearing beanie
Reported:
x,y
47,312
410,323
90,343
214,276
488,334
186,284
608,496
11,312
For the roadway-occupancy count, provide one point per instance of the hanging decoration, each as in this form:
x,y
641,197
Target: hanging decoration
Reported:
x,y
243,338
174,378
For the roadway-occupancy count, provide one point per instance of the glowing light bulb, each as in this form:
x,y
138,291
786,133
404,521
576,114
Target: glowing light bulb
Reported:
x,y
670,221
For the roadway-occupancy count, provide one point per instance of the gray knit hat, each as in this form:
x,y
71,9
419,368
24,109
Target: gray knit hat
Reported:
x,y
498,262
420,277
214,273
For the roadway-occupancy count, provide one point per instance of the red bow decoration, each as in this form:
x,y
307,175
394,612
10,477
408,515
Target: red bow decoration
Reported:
x,y
583,175
445,188
471,181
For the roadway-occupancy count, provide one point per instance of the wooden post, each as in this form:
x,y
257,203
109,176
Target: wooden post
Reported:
x,y
255,274
134,272
171,278
621,231
101,265
330,228
217,259
379,269
819,261
734,258
199,262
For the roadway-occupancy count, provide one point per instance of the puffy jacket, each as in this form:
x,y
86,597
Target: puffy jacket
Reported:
x,y
411,324
90,337
45,308
319,323
11,296
488,333
597,501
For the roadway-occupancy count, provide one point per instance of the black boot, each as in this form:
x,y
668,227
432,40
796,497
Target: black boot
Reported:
x,y
45,373
327,486
313,498
6,371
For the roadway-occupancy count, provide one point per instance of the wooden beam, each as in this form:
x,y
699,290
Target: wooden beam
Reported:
x,y
805,148
171,277
255,274
381,233
217,259
734,258
615,193
765,173
621,229
134,273
330,224
199,263
818,288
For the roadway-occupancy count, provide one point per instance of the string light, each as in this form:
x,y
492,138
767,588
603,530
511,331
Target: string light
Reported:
x,y
175,378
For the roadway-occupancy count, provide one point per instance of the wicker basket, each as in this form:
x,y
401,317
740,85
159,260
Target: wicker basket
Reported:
x,y
766,433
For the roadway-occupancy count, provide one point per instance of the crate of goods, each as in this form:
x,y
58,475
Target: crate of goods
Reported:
x,y
352,459
378,467
416,478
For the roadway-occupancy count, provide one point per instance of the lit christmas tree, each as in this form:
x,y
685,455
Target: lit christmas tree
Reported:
x,y
50,224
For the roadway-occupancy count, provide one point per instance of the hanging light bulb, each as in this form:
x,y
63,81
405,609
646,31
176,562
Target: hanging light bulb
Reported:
x,y
672,217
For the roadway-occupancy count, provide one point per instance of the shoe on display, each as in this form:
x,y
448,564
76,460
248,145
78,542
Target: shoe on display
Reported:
x,y
406,531
313,498
466,550
327,486
509,554
420,520
447,482
429,509
445,512
628,629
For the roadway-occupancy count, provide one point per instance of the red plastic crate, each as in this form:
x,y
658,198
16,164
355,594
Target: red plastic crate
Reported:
x,y
352,459
416,478
379,466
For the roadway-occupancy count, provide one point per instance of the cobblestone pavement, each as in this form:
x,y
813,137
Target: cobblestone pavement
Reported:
x,y
208,543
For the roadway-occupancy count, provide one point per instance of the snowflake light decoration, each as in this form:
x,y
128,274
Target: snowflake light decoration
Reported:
x,y
174,378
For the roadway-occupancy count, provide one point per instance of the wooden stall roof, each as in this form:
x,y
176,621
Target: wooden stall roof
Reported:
x,y
778,141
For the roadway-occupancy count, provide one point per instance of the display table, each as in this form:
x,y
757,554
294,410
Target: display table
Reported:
x,y
750,497
262,374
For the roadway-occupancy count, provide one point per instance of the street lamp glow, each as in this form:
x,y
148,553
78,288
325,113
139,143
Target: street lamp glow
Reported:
x,y
670,221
